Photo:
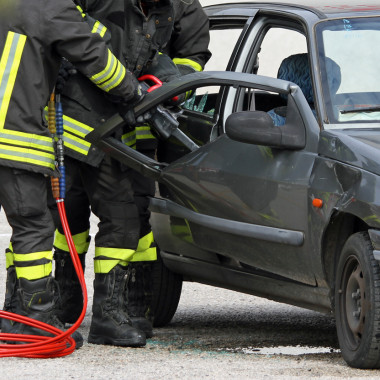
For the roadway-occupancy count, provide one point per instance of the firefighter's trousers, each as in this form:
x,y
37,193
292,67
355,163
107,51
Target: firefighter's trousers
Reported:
x,y
107,190
24,200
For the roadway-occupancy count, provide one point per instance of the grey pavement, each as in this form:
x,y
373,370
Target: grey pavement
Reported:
x,y
215,334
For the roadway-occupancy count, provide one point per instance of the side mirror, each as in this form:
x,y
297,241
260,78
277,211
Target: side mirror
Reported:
x,y
256,127
253,127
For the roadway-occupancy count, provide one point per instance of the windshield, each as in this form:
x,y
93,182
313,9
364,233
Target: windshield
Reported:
x,y
350,66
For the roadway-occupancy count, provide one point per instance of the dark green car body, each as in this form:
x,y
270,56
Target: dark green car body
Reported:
x,y
263,209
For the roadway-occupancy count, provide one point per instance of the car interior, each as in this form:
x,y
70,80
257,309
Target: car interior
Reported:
x,y
199,119
296,69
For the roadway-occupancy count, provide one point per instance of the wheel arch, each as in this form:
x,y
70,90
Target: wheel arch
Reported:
x,y
341,226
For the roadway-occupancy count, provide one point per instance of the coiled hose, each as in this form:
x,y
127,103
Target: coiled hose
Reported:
x,y
61,343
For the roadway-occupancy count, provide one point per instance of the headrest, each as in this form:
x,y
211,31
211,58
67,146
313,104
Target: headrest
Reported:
x,y
334,76
296,69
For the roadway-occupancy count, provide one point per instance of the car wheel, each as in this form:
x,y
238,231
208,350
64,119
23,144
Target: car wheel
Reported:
x,y
357,303
167,287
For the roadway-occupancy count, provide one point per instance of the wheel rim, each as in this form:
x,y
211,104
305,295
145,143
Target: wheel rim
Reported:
x,y
353,302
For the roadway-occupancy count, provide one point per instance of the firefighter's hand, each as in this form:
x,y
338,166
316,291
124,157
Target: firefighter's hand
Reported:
x,y
65,71
146,118
127,113
126,107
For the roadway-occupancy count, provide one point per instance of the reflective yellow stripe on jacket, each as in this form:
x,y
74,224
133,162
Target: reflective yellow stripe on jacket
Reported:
x,y
14,145
129,139
99,28
188,62
74,133
114,72
141,133
23,148
81,11
111,76
9,64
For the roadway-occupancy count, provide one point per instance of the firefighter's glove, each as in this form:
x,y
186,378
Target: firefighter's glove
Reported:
x,y
166,70
65,71
146,118
126,107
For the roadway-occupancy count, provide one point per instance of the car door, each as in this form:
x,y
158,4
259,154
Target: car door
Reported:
x,y
226,201
227,198
266,188
271,186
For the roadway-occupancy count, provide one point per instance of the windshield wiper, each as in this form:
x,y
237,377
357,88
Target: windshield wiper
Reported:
x,y
361,109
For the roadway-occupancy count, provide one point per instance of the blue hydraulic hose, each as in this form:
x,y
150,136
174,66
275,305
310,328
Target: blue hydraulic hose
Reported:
x,y
60,148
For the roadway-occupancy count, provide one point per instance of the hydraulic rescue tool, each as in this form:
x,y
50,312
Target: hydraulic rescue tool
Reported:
x,y
61,343
163,121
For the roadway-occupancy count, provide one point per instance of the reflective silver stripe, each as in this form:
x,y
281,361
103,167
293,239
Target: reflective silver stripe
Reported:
x,y
25,139
107,72
129,139
116,78
75,144
24,155
99,28
73,133
73,126
144,133
80,129
111,76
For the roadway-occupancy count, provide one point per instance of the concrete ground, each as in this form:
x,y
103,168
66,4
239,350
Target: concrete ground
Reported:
x,y
215,334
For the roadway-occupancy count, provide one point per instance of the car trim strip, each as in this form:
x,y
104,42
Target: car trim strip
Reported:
x,y
272,234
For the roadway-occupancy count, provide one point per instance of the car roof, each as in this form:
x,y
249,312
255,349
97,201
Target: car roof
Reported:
x,y
322,8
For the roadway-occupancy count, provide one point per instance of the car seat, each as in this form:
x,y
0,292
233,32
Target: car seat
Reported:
x,y
296,69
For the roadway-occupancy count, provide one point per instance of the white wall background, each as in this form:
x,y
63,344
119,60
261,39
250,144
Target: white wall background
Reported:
x,y
221,46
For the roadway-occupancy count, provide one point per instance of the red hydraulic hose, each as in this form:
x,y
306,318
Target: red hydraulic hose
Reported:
x,y
36,346
61,343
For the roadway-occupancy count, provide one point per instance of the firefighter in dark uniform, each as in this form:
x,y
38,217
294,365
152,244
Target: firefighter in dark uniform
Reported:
x,y
105,183
34,36
163,38
186,51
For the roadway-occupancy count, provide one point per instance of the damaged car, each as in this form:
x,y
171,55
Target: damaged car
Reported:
x,y
269,182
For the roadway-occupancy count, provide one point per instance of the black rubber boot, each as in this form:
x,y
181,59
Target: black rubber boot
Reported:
x,y
10,302
110,322
37,300
11,287
71,304
139,296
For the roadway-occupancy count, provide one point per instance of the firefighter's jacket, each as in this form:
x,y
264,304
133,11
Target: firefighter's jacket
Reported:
x,y
34,34
188,45
178,28
85,106
175,27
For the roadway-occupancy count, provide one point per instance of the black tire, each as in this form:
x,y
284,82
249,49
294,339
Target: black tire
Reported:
x,y
167,287
357,303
